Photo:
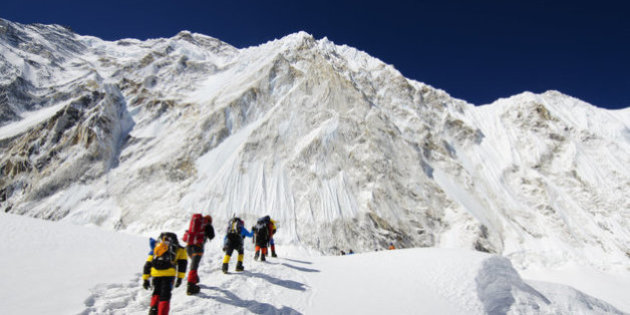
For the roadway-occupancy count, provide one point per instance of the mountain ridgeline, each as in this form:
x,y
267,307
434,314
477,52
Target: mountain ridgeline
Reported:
x,y
337,146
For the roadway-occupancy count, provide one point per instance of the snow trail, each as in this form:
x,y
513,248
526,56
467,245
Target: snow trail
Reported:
x,y
253,291
90,271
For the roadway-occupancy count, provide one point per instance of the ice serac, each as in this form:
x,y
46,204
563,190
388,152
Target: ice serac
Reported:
x,y
339,147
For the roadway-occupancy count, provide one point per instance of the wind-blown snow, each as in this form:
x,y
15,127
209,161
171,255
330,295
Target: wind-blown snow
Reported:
x,y
29,120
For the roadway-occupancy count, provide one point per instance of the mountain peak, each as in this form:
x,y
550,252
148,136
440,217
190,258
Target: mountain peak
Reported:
x,y
338,146
294,41
184,34
299,36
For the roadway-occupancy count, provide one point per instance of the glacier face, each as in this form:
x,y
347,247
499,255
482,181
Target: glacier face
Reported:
x,y
339,147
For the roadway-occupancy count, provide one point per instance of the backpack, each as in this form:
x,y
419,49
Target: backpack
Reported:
x,y
234,226
152,242
262,228
234,229
195,235
165,251
265,219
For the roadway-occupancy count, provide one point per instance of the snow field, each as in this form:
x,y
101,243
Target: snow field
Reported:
x,y
51,267
59,268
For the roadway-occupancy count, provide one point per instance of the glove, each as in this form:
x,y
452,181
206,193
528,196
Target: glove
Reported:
x,y
178,282
146,285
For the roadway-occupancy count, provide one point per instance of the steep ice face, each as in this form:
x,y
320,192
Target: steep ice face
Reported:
x,y
337,146
559,165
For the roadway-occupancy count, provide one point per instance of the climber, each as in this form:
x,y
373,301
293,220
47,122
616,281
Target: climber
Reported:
x,y
199,230
233,240
166,262
262,232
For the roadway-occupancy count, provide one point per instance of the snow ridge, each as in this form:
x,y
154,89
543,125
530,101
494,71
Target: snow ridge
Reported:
x,y
336,145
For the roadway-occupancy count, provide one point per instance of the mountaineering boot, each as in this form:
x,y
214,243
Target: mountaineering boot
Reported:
x,y
163,307
239,266
192,289
226,260
273,251
239,263
262,257
154,304
256,255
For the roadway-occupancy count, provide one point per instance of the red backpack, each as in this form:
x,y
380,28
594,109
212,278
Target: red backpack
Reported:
x,y
195,233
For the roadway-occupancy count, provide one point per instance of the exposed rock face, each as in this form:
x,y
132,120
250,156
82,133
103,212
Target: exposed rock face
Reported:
x,y
339,147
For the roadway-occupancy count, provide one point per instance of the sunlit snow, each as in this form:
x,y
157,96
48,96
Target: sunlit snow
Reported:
x,y
118,141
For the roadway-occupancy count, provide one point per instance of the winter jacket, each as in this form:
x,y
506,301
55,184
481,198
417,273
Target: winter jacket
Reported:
x,y
181,261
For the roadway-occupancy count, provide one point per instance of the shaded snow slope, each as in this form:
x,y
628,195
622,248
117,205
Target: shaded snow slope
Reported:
x,y
337,146
57,268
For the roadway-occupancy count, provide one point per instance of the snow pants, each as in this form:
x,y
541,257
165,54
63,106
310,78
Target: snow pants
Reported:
x,y
160,301
261,245
194,252
230,247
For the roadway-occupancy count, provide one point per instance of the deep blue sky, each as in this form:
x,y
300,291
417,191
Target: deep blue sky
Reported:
x,y
475,50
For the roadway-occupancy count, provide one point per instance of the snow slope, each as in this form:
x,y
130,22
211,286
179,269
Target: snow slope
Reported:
x,y
337,146
51,267
319,136
57,268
